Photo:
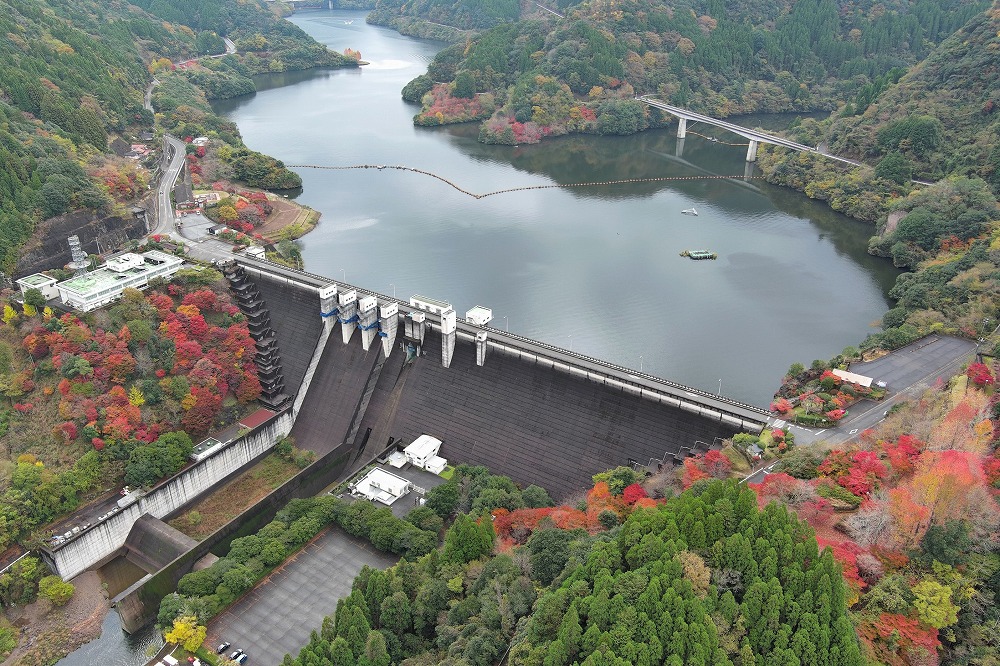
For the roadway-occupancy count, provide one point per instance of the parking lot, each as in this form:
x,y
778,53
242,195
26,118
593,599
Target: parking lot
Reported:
x,y
276,617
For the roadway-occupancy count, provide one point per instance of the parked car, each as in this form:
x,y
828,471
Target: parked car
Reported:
x,y
235,655
222,648
242,659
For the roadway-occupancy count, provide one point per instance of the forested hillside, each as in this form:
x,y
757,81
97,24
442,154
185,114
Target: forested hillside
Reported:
x,y
938,122
72,77
264,42
68,79
580,73
702,579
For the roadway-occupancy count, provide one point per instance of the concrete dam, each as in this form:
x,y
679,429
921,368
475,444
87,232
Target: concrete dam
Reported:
x,y
348,373
532,411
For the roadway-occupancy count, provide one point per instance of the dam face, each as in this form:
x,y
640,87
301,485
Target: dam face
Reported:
x,y
522,414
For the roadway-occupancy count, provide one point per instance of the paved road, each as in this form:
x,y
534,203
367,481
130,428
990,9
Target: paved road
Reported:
x,y
907,372
173,157
276,617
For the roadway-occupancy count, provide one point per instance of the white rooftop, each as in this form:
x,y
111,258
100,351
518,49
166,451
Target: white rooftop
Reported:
x,y
424,446
479,316
382,486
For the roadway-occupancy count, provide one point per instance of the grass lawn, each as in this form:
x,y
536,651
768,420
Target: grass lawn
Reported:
x,y
235,497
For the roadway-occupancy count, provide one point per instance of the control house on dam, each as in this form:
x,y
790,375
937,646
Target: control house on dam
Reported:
x,y
396,369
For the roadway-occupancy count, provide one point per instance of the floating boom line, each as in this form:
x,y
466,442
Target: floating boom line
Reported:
x,y
523,188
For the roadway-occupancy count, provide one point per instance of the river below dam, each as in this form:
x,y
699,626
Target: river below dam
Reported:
x,y
595,269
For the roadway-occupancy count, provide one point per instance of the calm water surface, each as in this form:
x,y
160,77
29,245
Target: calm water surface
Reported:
x,y
595,269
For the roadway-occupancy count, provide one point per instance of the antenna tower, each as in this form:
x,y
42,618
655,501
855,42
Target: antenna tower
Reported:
x,y
80,262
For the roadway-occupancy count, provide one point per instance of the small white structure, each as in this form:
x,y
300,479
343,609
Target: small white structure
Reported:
x,y
41,282
436,464
853,378
255,252
200,141
422,450
397,459
124,262
479,316
378,485
428,304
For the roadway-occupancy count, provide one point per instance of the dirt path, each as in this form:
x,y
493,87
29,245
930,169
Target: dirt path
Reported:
x,y
289,219
49,633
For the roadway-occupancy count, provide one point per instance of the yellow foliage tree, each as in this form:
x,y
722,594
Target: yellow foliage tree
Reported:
x,y
188,401
9,314
136,397
29,309
186,632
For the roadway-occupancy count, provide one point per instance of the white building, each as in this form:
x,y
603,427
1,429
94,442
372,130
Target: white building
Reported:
x,y
41,282
422,451
382,486
479,316
105,285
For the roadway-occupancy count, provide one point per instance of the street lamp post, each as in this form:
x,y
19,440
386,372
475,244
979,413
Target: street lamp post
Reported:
x,y
393,289
640,362
720,387
344,271
506,324
570,342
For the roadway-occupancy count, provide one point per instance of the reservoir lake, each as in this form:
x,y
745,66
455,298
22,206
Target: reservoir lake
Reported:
x,y
591,268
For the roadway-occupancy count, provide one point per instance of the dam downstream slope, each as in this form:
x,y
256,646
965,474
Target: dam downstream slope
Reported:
x,y
517,416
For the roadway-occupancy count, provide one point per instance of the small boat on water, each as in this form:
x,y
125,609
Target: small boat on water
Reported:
x,y
699,254
690,211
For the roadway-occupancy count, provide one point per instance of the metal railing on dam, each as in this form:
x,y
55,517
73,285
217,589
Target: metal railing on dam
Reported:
x,y
748,417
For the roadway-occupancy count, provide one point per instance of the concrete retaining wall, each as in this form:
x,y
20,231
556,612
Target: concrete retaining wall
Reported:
x,y
102,541
139,605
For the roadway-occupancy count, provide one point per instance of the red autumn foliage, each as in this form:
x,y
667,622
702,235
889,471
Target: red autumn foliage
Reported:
x,y
781,405
865,474
693,472
980,374
633,494
717,465
908,632
902,454
781,487
846,553
991,468
835,414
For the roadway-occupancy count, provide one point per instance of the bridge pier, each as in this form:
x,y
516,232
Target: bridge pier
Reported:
x,y
679,148
682,126
752,151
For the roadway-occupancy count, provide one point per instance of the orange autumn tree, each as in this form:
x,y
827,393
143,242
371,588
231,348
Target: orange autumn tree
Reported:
x,y
965,427
952,485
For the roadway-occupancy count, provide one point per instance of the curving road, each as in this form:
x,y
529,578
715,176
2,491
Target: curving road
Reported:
x,y
173,158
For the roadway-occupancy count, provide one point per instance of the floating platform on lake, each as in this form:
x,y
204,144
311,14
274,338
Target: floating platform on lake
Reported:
x,y
699,254
690,211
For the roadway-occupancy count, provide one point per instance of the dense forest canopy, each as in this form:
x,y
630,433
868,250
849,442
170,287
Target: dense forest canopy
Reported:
x,y
702,579
716,57
72,78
